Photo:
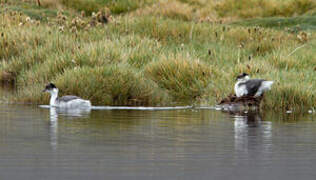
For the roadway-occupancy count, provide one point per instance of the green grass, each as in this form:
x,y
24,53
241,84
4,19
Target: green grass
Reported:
x,y
29,9
116,7
156,56
294,23
183,77
267,8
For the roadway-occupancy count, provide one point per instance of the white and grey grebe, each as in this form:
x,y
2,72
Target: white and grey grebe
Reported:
x,y
251,87
65,101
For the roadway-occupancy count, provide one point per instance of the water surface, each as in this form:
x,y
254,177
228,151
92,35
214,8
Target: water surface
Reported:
x,y
43,143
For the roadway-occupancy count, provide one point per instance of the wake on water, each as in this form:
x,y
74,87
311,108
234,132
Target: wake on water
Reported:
x,y
141,108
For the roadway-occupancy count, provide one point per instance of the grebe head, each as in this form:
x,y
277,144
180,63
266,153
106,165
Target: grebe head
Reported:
x,y
243,77
51,88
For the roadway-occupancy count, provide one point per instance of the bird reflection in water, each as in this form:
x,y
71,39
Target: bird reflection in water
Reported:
x,y
251,131
54,112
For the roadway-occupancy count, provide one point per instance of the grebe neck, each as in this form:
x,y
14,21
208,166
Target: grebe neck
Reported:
x,y
53,97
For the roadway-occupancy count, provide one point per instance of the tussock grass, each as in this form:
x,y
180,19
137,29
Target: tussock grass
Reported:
x,y
290,87
168,8
267,8
116,7
292,24
80,5
129,50
184,78
156,56
15,39
113,84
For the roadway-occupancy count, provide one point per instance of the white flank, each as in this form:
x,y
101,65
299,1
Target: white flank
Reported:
x,y
76,103
240,90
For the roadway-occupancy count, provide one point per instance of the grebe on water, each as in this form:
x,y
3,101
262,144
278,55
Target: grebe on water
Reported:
x,y
251,87
65,101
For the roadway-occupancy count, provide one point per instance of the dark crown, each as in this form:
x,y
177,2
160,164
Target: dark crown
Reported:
x,y
50,86
242,75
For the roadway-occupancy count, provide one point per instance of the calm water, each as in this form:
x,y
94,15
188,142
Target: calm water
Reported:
x,y
39,143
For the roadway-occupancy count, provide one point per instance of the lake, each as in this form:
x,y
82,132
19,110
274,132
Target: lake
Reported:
x,y
46,143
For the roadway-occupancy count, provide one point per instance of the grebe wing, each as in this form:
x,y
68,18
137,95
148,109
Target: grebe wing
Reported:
x,y
253,85
68,98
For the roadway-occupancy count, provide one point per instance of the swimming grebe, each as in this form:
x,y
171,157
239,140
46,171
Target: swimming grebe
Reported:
x,y
251,87
65,101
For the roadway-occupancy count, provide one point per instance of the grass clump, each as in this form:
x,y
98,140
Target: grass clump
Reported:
x,y
113,84
116,7
259,8
289,87
184,79
81,5
292,24
170,9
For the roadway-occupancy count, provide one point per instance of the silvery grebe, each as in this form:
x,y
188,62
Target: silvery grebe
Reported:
x,y
251,87
65,101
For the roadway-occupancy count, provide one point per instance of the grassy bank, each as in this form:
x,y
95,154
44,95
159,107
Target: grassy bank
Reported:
x,y
151,54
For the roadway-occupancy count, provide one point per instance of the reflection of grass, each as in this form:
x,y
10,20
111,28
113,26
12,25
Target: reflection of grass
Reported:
x,y
156,56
